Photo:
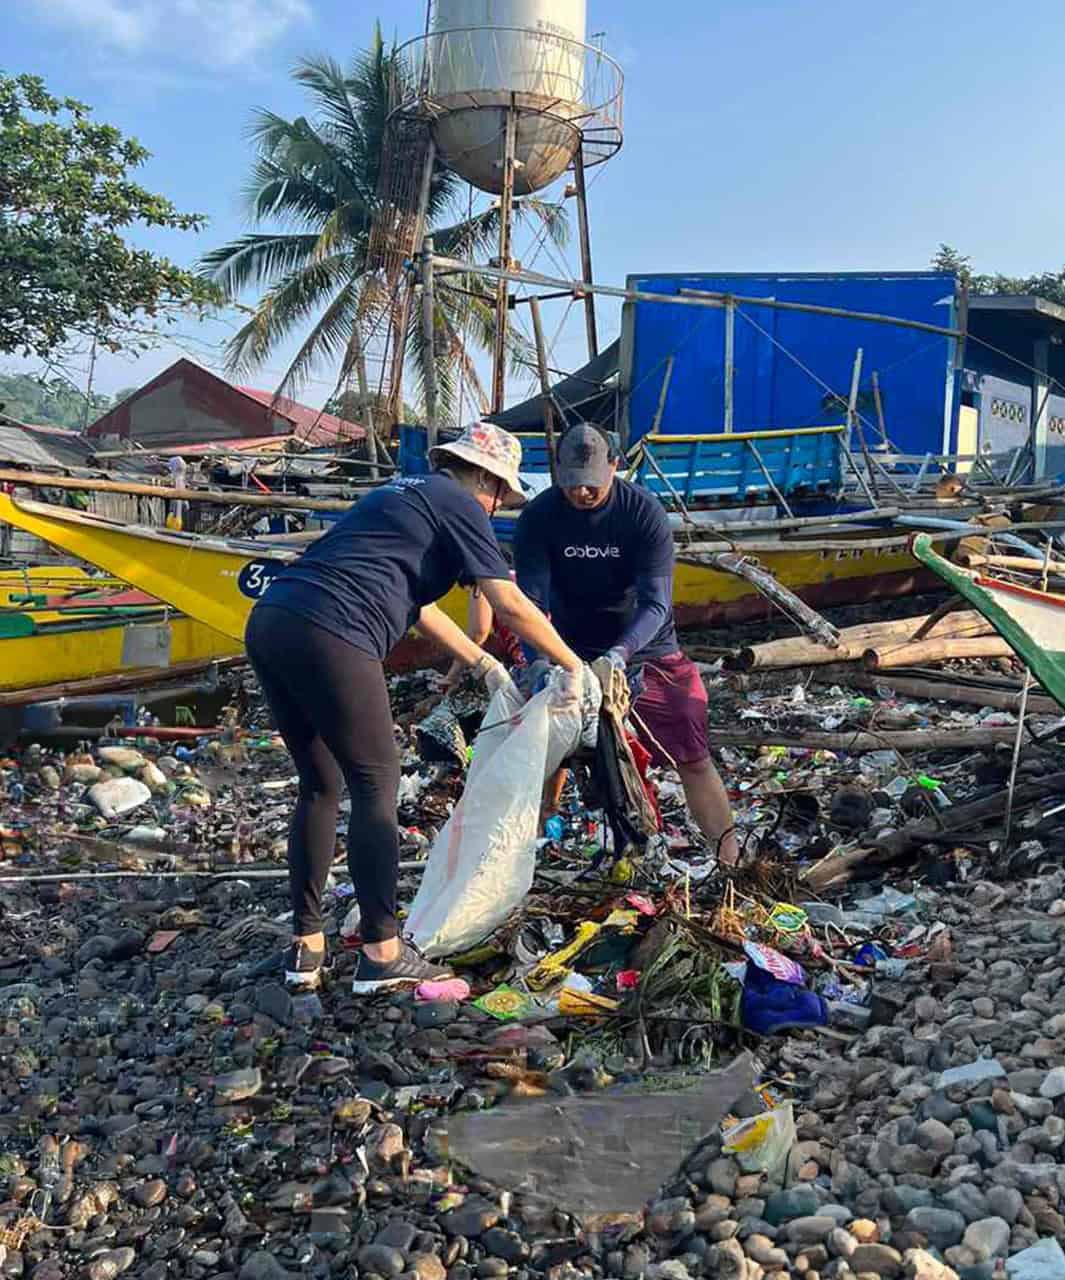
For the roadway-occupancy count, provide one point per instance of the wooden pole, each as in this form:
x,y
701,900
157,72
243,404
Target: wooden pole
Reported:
x,y
238,498
939,689
861,741
667,378
974,814
368,409
879,406
429,338
742,566
506,208
800,651
915,653
686,297
854,421
974,561
547,407
586,251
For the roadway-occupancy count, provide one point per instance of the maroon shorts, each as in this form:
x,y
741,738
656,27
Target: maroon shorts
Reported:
x,y
672,712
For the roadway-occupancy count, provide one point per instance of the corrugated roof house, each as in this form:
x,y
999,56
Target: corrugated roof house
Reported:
x,y
187,405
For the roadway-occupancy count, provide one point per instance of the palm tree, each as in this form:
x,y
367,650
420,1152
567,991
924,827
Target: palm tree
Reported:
x,y
317,180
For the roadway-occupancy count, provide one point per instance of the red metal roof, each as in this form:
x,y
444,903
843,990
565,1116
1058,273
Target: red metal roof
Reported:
x,y
245,411
312,425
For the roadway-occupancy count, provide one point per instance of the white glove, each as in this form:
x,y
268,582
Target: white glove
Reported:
x,y
566,690
491,673
610,672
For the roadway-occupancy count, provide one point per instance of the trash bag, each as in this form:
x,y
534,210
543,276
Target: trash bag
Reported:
x,y
481,864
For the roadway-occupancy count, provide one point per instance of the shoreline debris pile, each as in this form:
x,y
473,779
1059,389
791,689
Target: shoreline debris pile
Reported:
x,y
886,962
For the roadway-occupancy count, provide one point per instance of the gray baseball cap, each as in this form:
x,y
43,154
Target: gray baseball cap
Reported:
x,y
584,458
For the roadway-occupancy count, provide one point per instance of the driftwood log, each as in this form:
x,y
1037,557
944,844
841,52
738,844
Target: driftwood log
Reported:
x,y
800,651
937,690
861,740
915,653
951,824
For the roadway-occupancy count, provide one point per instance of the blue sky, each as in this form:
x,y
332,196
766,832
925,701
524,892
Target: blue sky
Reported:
x,y
788,135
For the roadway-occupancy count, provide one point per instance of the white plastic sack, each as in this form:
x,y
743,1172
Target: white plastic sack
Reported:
x,y
481,864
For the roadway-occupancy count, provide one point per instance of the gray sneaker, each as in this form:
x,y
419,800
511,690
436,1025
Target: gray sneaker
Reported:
x,y
408,969
303,967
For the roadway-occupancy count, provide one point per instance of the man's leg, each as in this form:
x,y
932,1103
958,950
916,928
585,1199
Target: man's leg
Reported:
x,y
709,805
670,715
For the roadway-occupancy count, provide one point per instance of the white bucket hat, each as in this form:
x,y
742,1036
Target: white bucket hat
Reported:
x,y
490,448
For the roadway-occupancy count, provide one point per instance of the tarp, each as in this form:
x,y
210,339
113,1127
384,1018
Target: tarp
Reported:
x,y
589,395
791,368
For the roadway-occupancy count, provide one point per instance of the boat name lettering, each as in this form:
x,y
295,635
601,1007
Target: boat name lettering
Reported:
x,y
256,576
592,553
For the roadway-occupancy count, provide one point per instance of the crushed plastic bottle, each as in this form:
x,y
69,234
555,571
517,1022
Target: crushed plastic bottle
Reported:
x,y
554,828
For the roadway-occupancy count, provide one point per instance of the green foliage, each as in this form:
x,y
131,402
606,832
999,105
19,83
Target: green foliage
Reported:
x,y
313,186
48,402
1046,284
65,198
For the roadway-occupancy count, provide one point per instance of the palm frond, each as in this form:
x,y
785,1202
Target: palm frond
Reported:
x,y
256,259
327,341
282,309
553,217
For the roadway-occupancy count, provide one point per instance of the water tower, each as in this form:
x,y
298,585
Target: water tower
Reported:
x,y
514,97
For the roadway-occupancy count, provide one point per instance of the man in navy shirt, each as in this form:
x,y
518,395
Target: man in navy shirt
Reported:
x,y
596,554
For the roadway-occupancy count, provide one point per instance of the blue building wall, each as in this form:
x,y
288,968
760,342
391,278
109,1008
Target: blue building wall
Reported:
x,y
770,388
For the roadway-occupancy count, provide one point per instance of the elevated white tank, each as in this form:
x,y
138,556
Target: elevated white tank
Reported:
x,y
486,55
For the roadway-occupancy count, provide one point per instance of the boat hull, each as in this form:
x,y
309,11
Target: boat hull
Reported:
x,y
218,582
62,654
1032,622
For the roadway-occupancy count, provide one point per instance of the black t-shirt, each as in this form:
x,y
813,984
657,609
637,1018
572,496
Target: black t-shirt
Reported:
x,y
398,549
605,576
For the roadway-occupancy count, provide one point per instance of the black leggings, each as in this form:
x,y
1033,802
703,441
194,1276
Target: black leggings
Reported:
x,y
330,704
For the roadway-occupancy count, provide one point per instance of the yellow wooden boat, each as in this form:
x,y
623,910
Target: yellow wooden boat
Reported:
x,y
216,581
65,653
61,625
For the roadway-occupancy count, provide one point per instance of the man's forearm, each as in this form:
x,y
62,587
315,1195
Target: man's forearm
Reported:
x,y
653,604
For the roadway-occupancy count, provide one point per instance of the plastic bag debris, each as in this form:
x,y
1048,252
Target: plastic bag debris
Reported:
x,y
481,864
889,902
607,1153
119,795
763,1143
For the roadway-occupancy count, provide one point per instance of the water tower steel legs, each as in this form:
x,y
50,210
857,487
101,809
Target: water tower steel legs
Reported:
x,y
506,209
586,249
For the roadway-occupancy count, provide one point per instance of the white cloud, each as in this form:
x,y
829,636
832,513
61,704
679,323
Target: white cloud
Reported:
x,y
212,32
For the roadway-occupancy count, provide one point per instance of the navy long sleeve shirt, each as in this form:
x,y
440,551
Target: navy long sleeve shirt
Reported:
x,y
605,576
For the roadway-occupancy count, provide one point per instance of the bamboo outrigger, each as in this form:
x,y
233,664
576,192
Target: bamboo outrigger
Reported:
x,y
1030,620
